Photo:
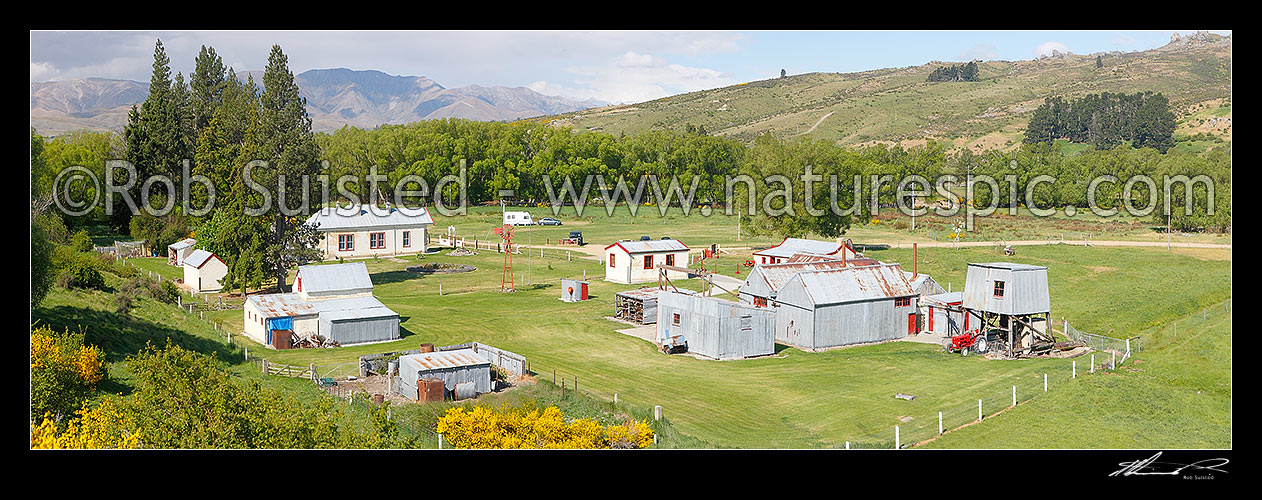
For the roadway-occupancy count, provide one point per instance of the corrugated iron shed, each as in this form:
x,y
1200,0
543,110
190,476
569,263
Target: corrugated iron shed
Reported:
x,y
365,217
182,244
280,305
1025,289
856,284
334,279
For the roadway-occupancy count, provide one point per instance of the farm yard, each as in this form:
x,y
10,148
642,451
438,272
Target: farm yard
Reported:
x,y
796,399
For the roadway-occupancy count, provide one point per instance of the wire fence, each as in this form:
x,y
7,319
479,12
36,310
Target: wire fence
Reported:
x,y
1122,348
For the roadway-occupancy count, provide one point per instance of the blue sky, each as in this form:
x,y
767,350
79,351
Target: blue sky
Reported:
x,y
611,66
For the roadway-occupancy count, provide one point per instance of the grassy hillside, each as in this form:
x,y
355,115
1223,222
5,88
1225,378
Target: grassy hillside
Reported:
x,y
897,104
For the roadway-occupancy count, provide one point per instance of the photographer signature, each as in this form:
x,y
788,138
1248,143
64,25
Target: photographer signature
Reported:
x,y
1146,467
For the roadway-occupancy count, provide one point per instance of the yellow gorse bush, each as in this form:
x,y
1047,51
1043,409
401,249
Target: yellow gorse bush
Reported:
x,y
87,360
483,427
104,426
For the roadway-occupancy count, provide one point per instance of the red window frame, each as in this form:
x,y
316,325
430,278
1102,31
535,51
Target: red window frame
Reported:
x,y
902,302
381,241
346,242
648,262
998,289
670,259
407,239
760,302
611,256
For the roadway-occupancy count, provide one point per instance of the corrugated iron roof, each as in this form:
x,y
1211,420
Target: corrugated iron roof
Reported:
x,y
351,276
370,217
947,298
446,359
279,305
791,246
198,258
182,244
352,307
776,275
1008,265
650,246
854,284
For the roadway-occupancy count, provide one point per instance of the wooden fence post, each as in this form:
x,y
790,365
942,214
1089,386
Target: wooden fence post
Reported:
x,y
939,423
657,413
979,410
1044,382
265,366
896,438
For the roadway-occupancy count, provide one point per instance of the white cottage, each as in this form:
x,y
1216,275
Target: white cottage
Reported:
x,y
368,230
636,261
204,271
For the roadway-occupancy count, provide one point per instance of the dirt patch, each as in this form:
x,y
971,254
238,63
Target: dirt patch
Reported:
x,y
441,268
1101,269
906,419
1205,253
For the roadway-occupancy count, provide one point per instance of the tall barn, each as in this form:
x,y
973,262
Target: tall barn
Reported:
x,y
636,261
849,305
715,328
1012,298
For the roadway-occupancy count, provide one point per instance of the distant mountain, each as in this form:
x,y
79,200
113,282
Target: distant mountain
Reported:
x,y
335,98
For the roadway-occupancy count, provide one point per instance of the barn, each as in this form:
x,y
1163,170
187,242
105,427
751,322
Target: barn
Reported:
x,y
333,280
356,320
204,271
333,301
265,314
452,367
790,246
176,252
715,328
849,305
635,261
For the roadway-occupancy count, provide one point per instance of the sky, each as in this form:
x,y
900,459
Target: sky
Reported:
x,y
610,66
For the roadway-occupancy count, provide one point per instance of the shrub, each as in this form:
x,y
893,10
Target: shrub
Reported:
x,y
64,371
82,241
526,427
165,292
81,274
105,426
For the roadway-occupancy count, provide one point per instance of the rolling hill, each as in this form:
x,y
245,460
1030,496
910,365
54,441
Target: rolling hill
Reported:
x,y
898,105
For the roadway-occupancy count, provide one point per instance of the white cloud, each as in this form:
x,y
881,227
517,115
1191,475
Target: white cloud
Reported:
x,y
1046,49
982,51
635,77
1123,41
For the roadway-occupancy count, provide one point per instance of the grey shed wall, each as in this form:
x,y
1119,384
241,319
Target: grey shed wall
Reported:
x,y
801,323
716,328
410,372
1025,288
351,330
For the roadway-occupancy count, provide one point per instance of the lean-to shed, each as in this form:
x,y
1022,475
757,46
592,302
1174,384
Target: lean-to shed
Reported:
x,y
943,313
850,305
713,327
278,311
452,367
176,252
356,320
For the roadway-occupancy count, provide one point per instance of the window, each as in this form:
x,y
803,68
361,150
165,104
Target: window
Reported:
x,y
407,239
902,302
998,289
298,284
345,242
747,323
670,259
760,302
648,262
376,240
611,256
675,319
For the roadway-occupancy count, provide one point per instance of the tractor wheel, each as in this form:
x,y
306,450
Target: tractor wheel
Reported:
x,y
963,351
946,345
980,345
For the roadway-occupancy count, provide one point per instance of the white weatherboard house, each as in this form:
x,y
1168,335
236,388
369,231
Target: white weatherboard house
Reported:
x,y
790,246
176,252
334,301
636,261
204,271
368,230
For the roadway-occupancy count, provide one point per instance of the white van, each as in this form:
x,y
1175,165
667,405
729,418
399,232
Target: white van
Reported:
x,y
518,219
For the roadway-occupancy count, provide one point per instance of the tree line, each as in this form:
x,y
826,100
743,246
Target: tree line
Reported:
x,y
955,73
1105,120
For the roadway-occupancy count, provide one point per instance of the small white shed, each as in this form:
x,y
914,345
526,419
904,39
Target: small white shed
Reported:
x,y
204,271
176,252
636,261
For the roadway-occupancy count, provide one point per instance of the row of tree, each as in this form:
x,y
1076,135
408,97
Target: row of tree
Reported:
x,y
1105,120
955,73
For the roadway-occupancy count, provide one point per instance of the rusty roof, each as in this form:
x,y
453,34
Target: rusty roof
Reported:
x,y
791,246
280,305
776,275
445,359
855,284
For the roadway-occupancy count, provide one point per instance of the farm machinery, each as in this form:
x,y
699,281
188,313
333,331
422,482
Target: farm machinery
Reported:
x,y
994,340
575,238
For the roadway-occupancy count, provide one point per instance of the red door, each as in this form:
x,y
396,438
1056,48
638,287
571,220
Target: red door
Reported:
x,y
931,319
911,324
584,292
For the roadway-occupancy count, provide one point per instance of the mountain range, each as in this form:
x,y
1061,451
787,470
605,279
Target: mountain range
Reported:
x,y
335,98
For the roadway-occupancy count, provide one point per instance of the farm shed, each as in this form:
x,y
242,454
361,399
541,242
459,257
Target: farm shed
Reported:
x,y
765,280
356,320
1012,298
333,280
278,311
203,271
573,290
716,328
368,230
850,305
943,313
452,367
635,261
638,306
923,284
786,249
176,252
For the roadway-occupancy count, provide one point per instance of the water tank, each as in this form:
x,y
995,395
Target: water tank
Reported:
x,y
466,390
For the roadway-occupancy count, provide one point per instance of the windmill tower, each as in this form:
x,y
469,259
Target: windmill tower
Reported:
x,y
506,281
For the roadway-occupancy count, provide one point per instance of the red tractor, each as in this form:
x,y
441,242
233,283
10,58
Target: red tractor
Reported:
x,y
964,342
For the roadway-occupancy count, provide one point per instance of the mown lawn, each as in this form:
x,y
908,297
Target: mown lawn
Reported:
x,y
796,399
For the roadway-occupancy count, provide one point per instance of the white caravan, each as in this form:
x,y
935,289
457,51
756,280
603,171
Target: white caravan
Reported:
x,y
518,219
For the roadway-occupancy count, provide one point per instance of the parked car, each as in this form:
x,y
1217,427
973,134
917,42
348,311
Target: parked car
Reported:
x,y
645,238
549,221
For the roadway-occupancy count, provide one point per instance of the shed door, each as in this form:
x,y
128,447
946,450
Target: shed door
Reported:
x,y
911,324
931,315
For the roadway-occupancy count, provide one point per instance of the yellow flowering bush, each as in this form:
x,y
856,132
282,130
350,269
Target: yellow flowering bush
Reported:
x,y
104,426
483,427
64,371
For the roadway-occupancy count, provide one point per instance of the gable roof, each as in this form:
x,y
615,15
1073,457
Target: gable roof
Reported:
x,y
369,217
279,305
776,275
791,246
199,258
855,284
351,277
1009,266
650,246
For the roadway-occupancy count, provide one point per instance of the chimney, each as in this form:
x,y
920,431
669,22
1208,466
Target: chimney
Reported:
x,y
913,261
